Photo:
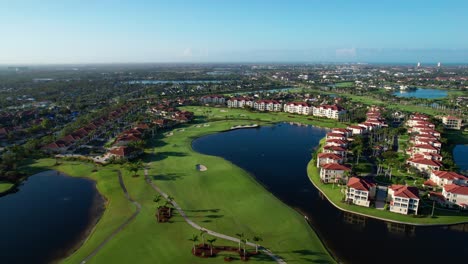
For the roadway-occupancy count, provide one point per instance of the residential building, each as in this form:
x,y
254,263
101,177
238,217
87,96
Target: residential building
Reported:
x,y
360,192
333,172
456,194
212,99
301,108
403,199
325,158
452,122
328,111
424,165
267,105
442,178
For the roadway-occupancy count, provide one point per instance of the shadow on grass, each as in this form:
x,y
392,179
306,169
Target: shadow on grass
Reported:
x,y
163,155
167,177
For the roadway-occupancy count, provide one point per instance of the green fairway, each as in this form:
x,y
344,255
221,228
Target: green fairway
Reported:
x,y
335,194
5,186
224,198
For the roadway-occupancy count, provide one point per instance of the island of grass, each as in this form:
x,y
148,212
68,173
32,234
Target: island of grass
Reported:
x,y
223,198
335,195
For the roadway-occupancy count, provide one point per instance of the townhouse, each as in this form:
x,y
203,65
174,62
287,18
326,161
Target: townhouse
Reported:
x,y
442,178
452,122
456,195
267,105
240,102
360,192
212,99
333,172
328,111
301,108
403,199
326,158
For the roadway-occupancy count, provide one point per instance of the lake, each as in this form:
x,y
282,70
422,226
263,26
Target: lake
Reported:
x,y
460,156
277,157
47,217
424,93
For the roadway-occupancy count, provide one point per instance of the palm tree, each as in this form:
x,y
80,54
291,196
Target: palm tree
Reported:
x,y
157,199
240,236
169,200
202,234
211,241
194,239
256,239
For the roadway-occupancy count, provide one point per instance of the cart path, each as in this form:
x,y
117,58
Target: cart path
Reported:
x,y
122,226
213,233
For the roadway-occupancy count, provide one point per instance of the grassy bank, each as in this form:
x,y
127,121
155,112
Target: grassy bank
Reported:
x,y
335,194
5,186
224,198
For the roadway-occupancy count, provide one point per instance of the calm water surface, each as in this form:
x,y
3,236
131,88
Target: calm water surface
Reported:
x,y
277,156
422,93
46,218
460,156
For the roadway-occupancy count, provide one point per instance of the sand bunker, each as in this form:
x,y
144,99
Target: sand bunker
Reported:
x,y
201,167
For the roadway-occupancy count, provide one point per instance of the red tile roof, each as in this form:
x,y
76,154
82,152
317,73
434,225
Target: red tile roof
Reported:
x,y
426,162
453,188
405,191
335,166
449,175
359,184
329,156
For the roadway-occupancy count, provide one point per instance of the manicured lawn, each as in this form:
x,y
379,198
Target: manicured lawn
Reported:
x,y
224,198
5,186
335,194
344,84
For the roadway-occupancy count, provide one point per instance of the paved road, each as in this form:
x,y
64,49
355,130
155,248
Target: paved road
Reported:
x,y
121,227
213,233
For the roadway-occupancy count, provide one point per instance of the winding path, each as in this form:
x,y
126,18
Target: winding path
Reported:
x,y
121,227
213,233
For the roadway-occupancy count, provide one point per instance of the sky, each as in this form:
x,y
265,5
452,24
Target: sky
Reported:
x,y
103,31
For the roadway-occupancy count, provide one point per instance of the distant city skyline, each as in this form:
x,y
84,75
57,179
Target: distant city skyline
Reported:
x,y
75,32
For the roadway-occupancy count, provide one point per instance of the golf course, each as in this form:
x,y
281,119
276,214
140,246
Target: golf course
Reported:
x,y
222,197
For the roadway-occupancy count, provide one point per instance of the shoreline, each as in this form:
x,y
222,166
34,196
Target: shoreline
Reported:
x,y
377,217
252,176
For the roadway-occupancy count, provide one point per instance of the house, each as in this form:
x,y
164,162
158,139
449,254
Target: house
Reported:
x,y
212,99
442,178
239,102
343,131
456,194
424,165
333,172
427,155
335,150
338,136
122,152
267,105
424,148
360,192
452,122
336,142
328,111
301,108
325,158
357,130
403,199
433,141
430,132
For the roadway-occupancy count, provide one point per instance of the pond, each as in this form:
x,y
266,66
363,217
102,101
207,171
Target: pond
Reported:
x,y
47,217
424,93
277,157
460,156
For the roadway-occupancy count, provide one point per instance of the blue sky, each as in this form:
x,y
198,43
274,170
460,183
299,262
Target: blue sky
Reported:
x,y
93,31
